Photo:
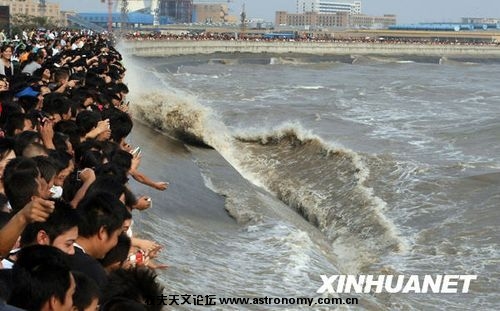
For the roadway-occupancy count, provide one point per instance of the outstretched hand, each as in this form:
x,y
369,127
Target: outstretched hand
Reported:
x,y
143,203
161,185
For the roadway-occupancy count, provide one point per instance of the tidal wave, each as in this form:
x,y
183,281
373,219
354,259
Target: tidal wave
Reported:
x,y
324,183
415,192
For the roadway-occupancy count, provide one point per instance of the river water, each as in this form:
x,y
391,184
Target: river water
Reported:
x,y
283,169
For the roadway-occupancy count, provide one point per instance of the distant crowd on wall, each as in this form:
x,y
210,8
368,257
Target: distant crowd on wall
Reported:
x,y
66,207
305,37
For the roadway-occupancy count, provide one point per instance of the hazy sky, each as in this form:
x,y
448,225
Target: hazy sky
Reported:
x,y
407,11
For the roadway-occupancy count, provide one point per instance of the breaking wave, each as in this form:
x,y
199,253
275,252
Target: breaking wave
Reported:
x,y
322,182
326,185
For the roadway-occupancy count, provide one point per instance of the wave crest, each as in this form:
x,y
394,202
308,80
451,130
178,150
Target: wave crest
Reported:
x,y
178,116
322,181
326,184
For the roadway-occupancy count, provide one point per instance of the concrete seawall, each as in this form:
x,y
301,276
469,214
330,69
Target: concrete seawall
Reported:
x,y
185,47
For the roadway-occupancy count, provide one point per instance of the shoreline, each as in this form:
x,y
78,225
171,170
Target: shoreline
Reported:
x,y
164,48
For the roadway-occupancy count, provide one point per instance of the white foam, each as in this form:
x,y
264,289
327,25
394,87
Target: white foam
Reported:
x,y
309,87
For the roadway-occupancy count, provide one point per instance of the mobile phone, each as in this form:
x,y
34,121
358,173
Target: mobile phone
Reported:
x,y
136,151
150,202
137,258
42,117
53,86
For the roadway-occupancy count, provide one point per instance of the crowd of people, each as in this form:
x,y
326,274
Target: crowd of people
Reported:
x,y
341,37
66,239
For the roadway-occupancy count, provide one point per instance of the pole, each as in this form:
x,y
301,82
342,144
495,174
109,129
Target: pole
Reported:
x,y
110,16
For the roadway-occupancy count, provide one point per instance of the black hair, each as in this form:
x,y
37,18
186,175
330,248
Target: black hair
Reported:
x,y
4,47
93,80
20,181
40,272
107,183
120,123
121,87
21,164
62,219
61,74
130,198
60,159
138,284
35,116
91,159
14,122
8,108
79,95
39,72
28,103
20,187
71,186
56,103
100,210
33,57
108,149
86,290
69,128
121,303
59,141
80,149
6,144
35,149
87,120
119,173
46,166
119,253
24,139
122,159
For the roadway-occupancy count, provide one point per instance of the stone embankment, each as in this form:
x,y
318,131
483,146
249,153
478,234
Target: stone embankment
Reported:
x,y
162,48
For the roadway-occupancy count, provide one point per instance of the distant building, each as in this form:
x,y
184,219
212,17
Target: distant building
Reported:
x,y
366,21
333,20
33,8
132,19
328,7
211,13
4,19
480,20
312,19
259,23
